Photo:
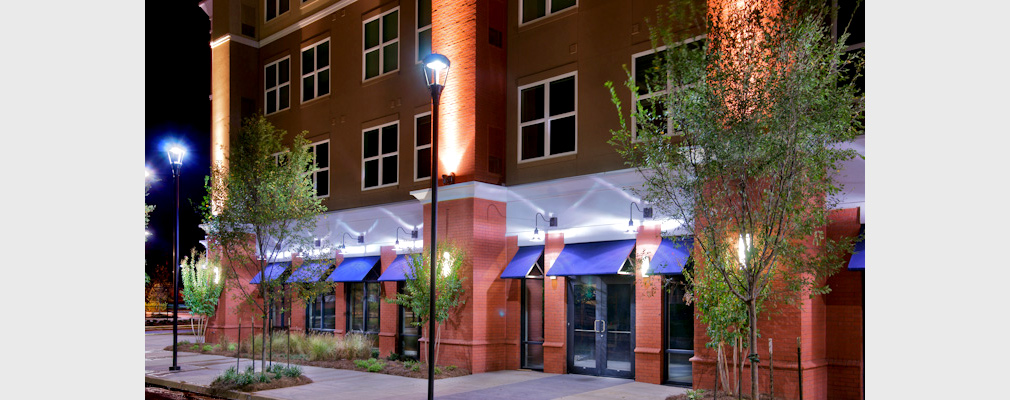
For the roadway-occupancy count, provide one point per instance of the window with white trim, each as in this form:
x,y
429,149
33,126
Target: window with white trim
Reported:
x,y
275,8
382,41
534,9
547,118
380,156
316,70
652,87
278,85
423,29
422,146
321,173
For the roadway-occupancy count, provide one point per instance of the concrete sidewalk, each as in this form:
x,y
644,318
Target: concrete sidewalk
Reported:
x,y
198,370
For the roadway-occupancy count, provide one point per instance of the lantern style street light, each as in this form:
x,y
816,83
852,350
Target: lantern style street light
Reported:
x,y
436,73
175,155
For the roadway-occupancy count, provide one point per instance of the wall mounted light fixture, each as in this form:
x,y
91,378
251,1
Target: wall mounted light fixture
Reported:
x,y
449,179
413,235
552,222
646,213
361,240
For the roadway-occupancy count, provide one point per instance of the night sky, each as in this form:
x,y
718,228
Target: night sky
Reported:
x,y
177,108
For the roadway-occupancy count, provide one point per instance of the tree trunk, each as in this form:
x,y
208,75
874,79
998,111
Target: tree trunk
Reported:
x,y
752,310
438,337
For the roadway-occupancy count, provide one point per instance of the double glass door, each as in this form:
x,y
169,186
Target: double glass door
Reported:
x,y
601,325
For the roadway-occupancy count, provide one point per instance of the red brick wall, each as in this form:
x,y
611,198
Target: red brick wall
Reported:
x,y
555,309
830,331
475,337
388,313
513,309
648,312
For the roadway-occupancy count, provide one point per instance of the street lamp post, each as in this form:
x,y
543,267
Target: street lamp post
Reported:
x,y
175,155
436,72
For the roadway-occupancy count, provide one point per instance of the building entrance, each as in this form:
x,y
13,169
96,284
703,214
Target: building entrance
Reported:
x,y
601,314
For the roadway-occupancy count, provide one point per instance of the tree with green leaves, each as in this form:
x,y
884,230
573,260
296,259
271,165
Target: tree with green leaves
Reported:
x,y
448,288
147,217
202,286
261,205
741,140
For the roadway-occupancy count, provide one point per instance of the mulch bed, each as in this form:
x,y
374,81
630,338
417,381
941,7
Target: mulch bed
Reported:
x,y
392,367
158,393
722,396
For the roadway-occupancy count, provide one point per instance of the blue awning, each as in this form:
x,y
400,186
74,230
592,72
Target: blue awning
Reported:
x,y
397,271
858,260
353,269
597,258
273,270
523,262
309,272
671,256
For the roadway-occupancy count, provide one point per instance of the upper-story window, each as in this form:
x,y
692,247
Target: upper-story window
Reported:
x,y
316,70
379,156
547,118
653,84
278,85
422,146
533,9
321,174
423,29
275,8
382,42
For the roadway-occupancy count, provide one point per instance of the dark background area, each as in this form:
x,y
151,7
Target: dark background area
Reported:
x,y
177,90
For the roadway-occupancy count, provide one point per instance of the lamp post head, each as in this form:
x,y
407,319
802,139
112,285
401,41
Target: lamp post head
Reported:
x,y
175,156
436,70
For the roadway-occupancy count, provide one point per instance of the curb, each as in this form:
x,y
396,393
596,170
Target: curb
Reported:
x,y
189,387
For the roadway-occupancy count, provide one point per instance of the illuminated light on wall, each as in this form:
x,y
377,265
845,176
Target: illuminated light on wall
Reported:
x,y
742,247
456,38
645,266
446,264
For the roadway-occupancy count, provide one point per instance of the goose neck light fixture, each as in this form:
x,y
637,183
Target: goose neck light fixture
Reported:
x,y
552,222
361,240
413,235
646,213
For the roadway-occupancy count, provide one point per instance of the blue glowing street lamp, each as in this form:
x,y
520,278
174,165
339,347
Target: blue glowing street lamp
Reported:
x,y
175,155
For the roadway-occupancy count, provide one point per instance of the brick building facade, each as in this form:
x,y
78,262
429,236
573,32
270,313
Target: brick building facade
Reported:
x,y
523,130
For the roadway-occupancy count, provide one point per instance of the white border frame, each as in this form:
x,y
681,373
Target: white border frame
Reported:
x,y
547,10
329,180
315,72
635,96
380,156
278,4
419,148
266,90
417,34
546,120
381,46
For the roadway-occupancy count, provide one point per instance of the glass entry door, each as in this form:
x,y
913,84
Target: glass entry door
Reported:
x,y
601,325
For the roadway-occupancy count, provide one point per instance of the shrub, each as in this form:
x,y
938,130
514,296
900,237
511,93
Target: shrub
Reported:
x,y
375,353
438,371
195,347
393,356
357,346
184,342
695,394
450,368
371,364
293,371
232,346
320,347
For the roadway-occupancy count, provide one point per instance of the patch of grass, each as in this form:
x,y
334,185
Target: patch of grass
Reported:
x,y
234,346
321,347
411,365
185,342
208,347
451,367
438,371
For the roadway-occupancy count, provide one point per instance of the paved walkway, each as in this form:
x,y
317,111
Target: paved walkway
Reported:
x,y
200,369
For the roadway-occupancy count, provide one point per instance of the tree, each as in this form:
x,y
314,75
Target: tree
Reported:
x,y
202,286
261,204
448,288
740,143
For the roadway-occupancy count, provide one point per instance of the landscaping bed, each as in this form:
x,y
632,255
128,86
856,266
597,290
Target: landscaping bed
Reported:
x,y
707,394
326,351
